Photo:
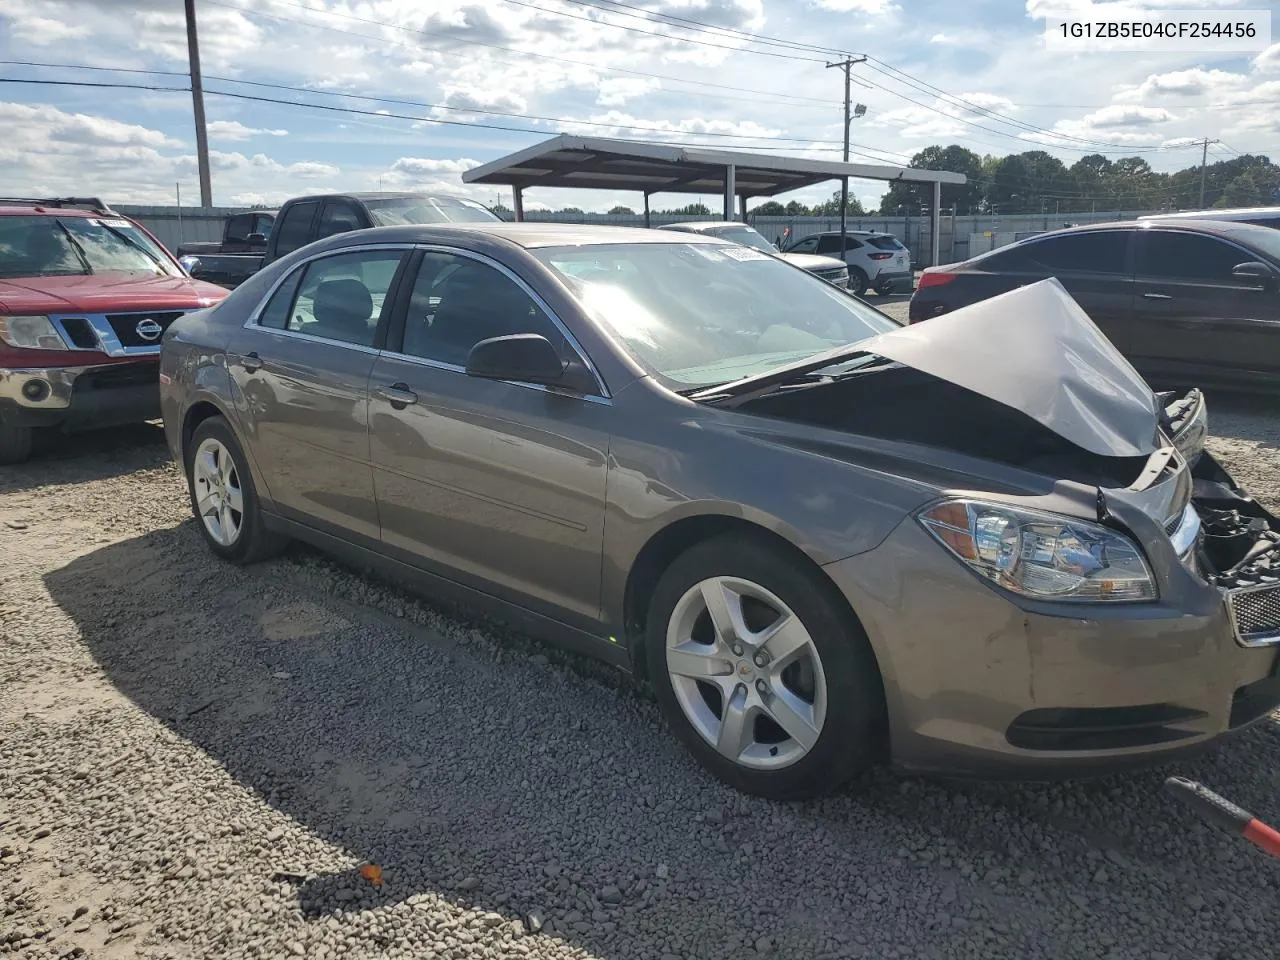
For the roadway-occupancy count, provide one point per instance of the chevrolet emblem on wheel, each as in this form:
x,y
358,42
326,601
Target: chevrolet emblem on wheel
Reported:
x,y
148,329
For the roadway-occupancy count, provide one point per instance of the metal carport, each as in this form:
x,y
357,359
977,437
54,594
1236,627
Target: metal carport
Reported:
x,y
599,163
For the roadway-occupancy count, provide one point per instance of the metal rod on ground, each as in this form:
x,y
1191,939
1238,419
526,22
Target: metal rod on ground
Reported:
x,y
197,102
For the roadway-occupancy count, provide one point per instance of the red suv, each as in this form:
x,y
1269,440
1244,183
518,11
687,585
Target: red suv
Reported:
x,y
85,297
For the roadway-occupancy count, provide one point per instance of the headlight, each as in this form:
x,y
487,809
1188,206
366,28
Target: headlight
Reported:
x,y
32,333
1040,555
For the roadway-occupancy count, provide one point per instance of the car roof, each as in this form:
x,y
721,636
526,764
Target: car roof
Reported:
x,y
38,211
1192,225
363,195
527,235
1235,213
850,233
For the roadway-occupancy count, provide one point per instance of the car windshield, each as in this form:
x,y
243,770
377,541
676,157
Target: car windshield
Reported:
x,y
745,236
50,246
403,210
700,314
1264,238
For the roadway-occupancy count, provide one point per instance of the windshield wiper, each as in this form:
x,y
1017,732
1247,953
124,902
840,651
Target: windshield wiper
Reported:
x,y
134,244
748,388
75,245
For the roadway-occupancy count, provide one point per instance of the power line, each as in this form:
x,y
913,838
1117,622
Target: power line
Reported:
x,y
661,36
925,87
700,26
599,68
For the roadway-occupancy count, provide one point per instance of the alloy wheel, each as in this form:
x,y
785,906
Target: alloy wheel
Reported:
x,y
746,673
219,497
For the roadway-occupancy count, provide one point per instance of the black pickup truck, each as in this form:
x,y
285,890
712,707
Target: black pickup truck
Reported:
x,y
238,255
304,220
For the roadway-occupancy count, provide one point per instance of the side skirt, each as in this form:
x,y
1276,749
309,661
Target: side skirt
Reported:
x,y
464,597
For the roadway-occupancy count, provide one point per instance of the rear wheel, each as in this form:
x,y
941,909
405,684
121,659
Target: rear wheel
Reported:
x,y
857,281
223,498
15,443
762,671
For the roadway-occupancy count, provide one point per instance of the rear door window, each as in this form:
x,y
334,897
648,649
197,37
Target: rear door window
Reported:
x,y
295,227
832,244
1188,257
338,216
885,243
1101,252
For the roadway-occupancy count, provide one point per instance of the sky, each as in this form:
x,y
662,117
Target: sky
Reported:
x,y
977,73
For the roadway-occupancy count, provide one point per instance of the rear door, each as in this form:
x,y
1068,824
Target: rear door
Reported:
x,y
338,216
301,366
1196,320
498,484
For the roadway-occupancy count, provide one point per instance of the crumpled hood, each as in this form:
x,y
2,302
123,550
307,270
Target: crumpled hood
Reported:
x,y
1035,350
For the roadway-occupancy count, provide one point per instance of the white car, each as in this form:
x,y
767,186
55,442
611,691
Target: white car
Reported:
x,y
828,268
876,261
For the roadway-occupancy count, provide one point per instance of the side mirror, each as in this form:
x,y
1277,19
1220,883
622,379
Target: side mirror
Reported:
x,y
189,264
1257,273
256,239
526,357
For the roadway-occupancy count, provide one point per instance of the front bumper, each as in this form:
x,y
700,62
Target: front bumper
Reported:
x,y
80,397
980,684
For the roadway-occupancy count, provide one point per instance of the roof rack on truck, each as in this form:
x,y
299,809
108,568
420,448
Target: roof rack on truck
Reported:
x,y
81,203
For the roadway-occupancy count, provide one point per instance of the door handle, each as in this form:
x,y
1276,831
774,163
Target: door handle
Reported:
x,y
398,395
251,362
1156,296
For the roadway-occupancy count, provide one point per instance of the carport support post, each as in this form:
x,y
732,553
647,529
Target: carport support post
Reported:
x,y
742,207
730,190
517,193
937,222
646,209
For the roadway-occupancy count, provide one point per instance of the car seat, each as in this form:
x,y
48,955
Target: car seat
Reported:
x,y
342,309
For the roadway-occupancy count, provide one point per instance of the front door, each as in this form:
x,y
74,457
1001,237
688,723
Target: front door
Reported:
x,y
499,484
302,371
1194,320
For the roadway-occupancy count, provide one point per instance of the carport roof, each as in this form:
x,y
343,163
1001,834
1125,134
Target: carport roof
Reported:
x,y
599,163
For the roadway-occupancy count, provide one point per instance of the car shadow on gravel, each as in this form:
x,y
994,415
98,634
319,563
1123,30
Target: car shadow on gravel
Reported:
x,y
492,776
87,456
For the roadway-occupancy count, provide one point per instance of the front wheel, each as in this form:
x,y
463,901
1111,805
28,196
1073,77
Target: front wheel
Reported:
x,y
857,282
762,670
223,498
15,443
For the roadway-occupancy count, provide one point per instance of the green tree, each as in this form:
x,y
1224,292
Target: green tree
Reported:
x,y
770,208
620,210
795,208
832,207
967,197
691,210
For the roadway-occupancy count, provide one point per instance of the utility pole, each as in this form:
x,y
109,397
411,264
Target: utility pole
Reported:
x,y
1204,160
848,119
197,101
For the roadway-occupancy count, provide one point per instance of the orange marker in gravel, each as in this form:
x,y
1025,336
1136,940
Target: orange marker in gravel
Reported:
x,y
373,873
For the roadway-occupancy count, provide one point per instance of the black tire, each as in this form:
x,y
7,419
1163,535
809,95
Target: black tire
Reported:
x,y
884,289
853,732
254,542
857,282
15,443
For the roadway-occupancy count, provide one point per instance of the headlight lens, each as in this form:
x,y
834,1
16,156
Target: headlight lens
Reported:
x,y
1040,555
31,333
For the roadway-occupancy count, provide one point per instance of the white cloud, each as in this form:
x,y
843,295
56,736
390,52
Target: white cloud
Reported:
x,y
870,7
1196,81
235,130
615,123
312,170
616,91
1119,116
1268,61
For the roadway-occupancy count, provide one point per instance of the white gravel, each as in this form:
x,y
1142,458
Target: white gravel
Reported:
x,y
196,760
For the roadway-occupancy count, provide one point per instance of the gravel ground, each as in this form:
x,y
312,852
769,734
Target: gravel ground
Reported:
x,y
197,761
